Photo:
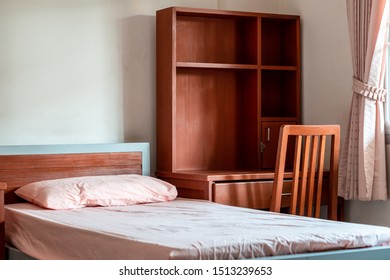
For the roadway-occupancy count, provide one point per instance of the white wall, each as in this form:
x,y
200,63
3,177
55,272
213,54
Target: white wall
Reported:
x,y
60,73
83,71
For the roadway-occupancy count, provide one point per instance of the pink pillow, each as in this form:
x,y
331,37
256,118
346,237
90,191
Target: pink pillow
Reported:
x,y
111,190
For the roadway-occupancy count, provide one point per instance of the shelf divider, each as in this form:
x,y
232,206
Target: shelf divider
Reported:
x,y
216,65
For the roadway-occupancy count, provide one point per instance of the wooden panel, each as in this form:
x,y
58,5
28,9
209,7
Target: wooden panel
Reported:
x,y
249,150
257,194
209,110
18,170
191,188
164,90
279,41
221,175
205,106
217,39
69,160
246,194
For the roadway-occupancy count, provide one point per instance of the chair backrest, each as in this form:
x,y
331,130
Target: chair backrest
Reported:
x,y
308,168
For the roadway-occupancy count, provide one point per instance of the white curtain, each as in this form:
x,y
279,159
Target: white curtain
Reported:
x,y
362,174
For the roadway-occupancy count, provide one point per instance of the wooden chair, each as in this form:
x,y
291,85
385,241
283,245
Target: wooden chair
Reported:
x,y
308,168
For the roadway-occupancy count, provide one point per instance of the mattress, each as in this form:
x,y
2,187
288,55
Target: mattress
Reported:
x,y
179,229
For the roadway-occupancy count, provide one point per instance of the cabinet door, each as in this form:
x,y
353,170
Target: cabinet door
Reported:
x,y
269,144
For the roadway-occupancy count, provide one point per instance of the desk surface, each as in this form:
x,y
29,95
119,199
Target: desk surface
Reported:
x,y
220,175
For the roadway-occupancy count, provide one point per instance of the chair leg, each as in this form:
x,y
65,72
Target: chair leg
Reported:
x,y
340,209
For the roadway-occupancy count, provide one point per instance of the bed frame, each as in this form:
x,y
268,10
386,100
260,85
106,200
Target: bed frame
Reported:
x,y
20,165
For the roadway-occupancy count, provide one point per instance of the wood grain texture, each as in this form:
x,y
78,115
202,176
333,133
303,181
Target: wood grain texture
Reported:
x,y
309,157
208,118
18,170
220,74
165,99
223,76
252,194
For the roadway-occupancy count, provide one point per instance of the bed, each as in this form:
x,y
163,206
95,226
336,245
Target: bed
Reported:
x,y
169,228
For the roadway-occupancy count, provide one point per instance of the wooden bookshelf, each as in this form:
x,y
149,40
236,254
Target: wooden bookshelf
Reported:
x,y
226,81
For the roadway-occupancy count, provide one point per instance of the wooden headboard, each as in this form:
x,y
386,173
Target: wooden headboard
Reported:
x,y
20,165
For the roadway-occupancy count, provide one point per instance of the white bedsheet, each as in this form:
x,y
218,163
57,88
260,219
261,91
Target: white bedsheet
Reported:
x,y
180,229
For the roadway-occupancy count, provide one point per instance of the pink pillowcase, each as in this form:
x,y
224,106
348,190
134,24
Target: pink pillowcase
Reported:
x,y
112,190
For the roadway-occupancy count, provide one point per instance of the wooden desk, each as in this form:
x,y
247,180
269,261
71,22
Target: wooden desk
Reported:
x,y
250,189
